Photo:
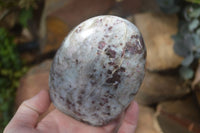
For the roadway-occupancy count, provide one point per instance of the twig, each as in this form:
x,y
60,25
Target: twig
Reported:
x,y
4,14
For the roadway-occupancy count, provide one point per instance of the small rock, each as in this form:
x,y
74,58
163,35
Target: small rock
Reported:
x,y
157,87
75,11
186,108
56,32
98,69
157,30
180,116
147,122
26,36
174,124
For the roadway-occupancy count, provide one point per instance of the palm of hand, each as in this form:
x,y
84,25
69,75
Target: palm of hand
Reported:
x,y
26,119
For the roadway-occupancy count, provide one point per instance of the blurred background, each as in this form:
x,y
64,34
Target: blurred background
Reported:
x,y
31,31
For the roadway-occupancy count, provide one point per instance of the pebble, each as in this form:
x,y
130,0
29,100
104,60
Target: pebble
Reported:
x,y
98,69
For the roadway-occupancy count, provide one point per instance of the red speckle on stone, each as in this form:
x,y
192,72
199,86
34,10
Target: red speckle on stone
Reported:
x,y
111,53
78,30
79,114
122,69
68,102
134,48
110,28
106,24
79,102
101,104
115,78
106,36
116,66
134,36
62,98
121,44
109,71
101,44
111,63
80,97
82,91
76,61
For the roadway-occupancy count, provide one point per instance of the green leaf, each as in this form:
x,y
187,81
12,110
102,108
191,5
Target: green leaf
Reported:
x,y
188,60
183,44
195,13
10,73
194,24
196,40
194,1
198,31
186,73
25,16
197,55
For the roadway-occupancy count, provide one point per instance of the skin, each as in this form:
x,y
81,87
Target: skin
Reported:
x,y
26,119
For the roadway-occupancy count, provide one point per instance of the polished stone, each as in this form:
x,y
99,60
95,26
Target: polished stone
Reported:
x,y
98,69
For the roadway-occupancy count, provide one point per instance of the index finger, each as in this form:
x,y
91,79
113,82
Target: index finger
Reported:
x,y
129,123
29,111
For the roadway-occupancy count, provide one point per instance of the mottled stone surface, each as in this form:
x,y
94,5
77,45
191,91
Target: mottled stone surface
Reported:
x,y
98,70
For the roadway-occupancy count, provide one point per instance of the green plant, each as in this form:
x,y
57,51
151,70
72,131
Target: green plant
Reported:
x,y
7,4
24,16
187,40
11,70
11,67
194,1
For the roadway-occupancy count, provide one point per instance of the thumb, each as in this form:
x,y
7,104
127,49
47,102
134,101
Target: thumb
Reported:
x,y
29,111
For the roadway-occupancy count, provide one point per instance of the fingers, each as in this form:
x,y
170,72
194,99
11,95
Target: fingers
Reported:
x,y
129,122
29,111
111,126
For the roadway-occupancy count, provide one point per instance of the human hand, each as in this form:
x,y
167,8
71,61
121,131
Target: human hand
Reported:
x,y
26,119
